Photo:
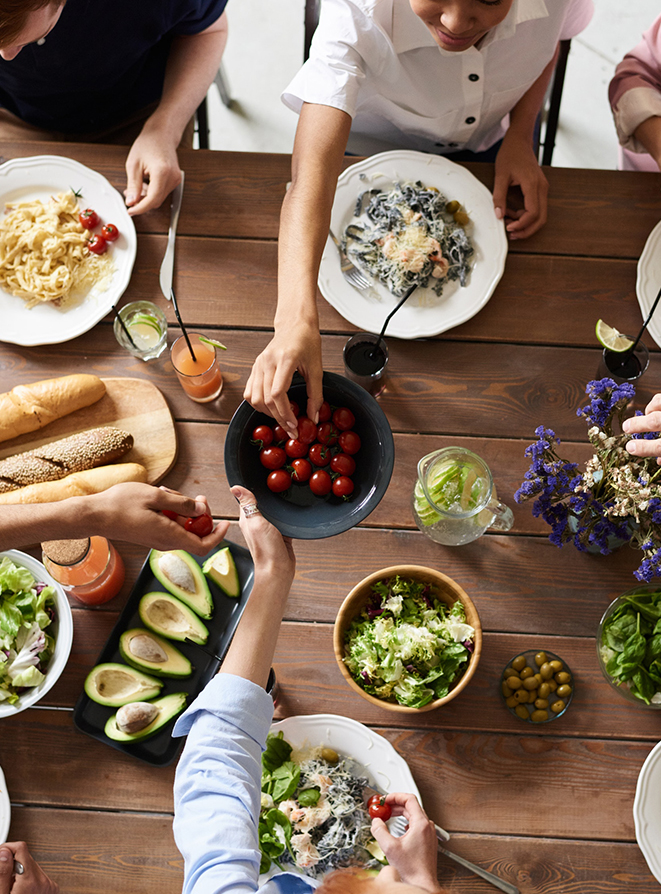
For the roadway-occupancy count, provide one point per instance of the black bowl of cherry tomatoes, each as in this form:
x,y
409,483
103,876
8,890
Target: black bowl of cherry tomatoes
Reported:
x,y
331,478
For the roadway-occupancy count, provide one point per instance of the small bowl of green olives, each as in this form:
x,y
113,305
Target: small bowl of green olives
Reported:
x,y
537,687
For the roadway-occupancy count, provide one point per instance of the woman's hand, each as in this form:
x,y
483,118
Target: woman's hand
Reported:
x,y
33,880
272,553
650,421
413,856
516,165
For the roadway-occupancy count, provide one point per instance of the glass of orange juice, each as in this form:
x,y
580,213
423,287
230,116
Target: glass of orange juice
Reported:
x,y
201,378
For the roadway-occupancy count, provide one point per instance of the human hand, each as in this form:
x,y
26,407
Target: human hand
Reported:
x,y
33,880
650,421
134,512
272,553
516,165
298,347
152,170
413,856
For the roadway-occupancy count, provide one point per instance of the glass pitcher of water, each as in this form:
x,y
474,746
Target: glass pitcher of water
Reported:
x,y
455,500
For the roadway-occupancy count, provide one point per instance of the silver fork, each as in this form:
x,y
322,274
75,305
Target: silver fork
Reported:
x,y
399,827
350,272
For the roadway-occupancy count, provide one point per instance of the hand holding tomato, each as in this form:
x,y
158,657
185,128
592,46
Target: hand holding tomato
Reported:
x,y
200,525
378,809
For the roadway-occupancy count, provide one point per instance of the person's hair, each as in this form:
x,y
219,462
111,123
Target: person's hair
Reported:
x,y
346,881
14,15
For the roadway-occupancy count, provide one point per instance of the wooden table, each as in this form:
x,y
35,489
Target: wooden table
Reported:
x,y
548,808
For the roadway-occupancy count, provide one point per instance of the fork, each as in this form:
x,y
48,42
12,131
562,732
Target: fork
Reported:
x,y
350,272
399,828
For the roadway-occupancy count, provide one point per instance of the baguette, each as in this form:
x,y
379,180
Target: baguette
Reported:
x,y
79,484
28,407
84,450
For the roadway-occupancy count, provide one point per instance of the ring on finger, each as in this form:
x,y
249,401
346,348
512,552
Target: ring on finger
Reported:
x,y
250,510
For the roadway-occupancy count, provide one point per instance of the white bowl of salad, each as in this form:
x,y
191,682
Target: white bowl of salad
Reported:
x,y
36,631
407,638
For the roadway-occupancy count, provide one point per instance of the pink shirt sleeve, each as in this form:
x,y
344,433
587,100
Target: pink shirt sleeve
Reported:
x,y
635,91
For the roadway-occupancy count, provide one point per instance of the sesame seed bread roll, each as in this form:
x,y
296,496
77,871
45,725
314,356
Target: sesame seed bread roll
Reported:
x,y
79,484
84,450
27,408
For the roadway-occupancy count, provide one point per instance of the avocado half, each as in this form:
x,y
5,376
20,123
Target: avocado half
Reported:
x,y
221,568
169,617
182,576
116,685
168,707
148,652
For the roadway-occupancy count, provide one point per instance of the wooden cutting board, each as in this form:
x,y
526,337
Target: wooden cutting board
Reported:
x,y
133,405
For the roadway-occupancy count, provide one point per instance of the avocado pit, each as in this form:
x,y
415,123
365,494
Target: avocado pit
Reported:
x,y
135,717
177,571
146,648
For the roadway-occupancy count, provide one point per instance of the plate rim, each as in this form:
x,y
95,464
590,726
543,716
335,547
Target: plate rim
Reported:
x,y
499,258
128,231
652,762
643,278
5,801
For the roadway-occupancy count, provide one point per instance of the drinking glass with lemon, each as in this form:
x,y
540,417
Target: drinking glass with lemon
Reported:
x,y
145,329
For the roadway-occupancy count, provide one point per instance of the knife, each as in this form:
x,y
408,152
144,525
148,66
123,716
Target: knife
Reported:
x,y
167,267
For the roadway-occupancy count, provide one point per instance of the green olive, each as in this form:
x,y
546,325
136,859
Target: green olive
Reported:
x,y
552,685
510,672
330,755
539,716
522,712
513,683
541,703
544,690
461,218
522,696
558,707
526,672
562,677
452,207
532,695
504,688
540,659
511,702
557,665
546,671
530,683
564,691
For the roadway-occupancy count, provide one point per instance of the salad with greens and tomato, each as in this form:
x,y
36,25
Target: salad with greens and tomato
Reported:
x,y
27,609
407,645
312,816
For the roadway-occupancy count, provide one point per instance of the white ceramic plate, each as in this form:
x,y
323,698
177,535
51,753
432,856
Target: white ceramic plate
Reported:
x,y
424,314
648,282
5,809
61,629
647,811
39,177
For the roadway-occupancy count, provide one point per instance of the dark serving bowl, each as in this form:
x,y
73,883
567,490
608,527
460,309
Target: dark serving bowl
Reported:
x,y
298,513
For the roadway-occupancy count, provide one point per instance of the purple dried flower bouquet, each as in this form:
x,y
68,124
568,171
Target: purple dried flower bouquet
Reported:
x,y
616,499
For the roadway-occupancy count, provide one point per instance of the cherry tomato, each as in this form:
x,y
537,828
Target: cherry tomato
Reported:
x,y
279,481
342,486
262,436
296,448
307,430
349,442
319,455
272,457
168,513
97,244
325,412
294,408
88,219
200,525
320,483
110,232
301,470
378,809
343,464
343,419
279,434
326,434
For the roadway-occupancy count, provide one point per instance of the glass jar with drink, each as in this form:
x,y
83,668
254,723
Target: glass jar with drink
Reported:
x,y
89,569
198,372
141,328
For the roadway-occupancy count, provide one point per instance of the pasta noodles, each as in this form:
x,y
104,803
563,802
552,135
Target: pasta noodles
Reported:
x,y
43,254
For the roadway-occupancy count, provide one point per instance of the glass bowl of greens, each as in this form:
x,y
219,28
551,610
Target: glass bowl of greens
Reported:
x,y
629,645
407,638
36,632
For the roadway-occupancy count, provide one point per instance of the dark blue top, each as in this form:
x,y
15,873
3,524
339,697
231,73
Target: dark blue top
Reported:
x,y
103,61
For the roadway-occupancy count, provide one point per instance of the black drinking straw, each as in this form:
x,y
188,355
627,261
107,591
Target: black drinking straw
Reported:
x,y
183,328
208,651
123,325
392,313
630,350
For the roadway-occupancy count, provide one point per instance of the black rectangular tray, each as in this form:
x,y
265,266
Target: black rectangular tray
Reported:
x,y
161,749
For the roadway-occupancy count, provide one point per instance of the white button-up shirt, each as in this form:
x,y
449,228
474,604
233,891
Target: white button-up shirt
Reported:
x,y
377,61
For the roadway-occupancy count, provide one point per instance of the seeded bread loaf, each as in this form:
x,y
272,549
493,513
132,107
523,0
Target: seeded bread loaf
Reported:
x,y
85,450
27,408
79,484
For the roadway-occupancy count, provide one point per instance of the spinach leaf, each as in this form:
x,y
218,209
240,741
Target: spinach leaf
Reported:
x,y
308,797
274,831
276,753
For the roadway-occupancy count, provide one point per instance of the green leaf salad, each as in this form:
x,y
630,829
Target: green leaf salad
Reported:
x,y
630,646
26,610
407,645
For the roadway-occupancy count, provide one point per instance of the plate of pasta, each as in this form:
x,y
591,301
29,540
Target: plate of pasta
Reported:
x,y
53,286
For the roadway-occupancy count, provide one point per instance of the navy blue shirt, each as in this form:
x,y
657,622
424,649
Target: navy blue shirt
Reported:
x,y
103,61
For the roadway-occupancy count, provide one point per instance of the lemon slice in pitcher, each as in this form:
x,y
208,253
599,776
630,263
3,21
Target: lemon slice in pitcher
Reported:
x,y
612,339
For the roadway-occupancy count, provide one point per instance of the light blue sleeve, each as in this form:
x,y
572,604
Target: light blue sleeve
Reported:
x,y
218,786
